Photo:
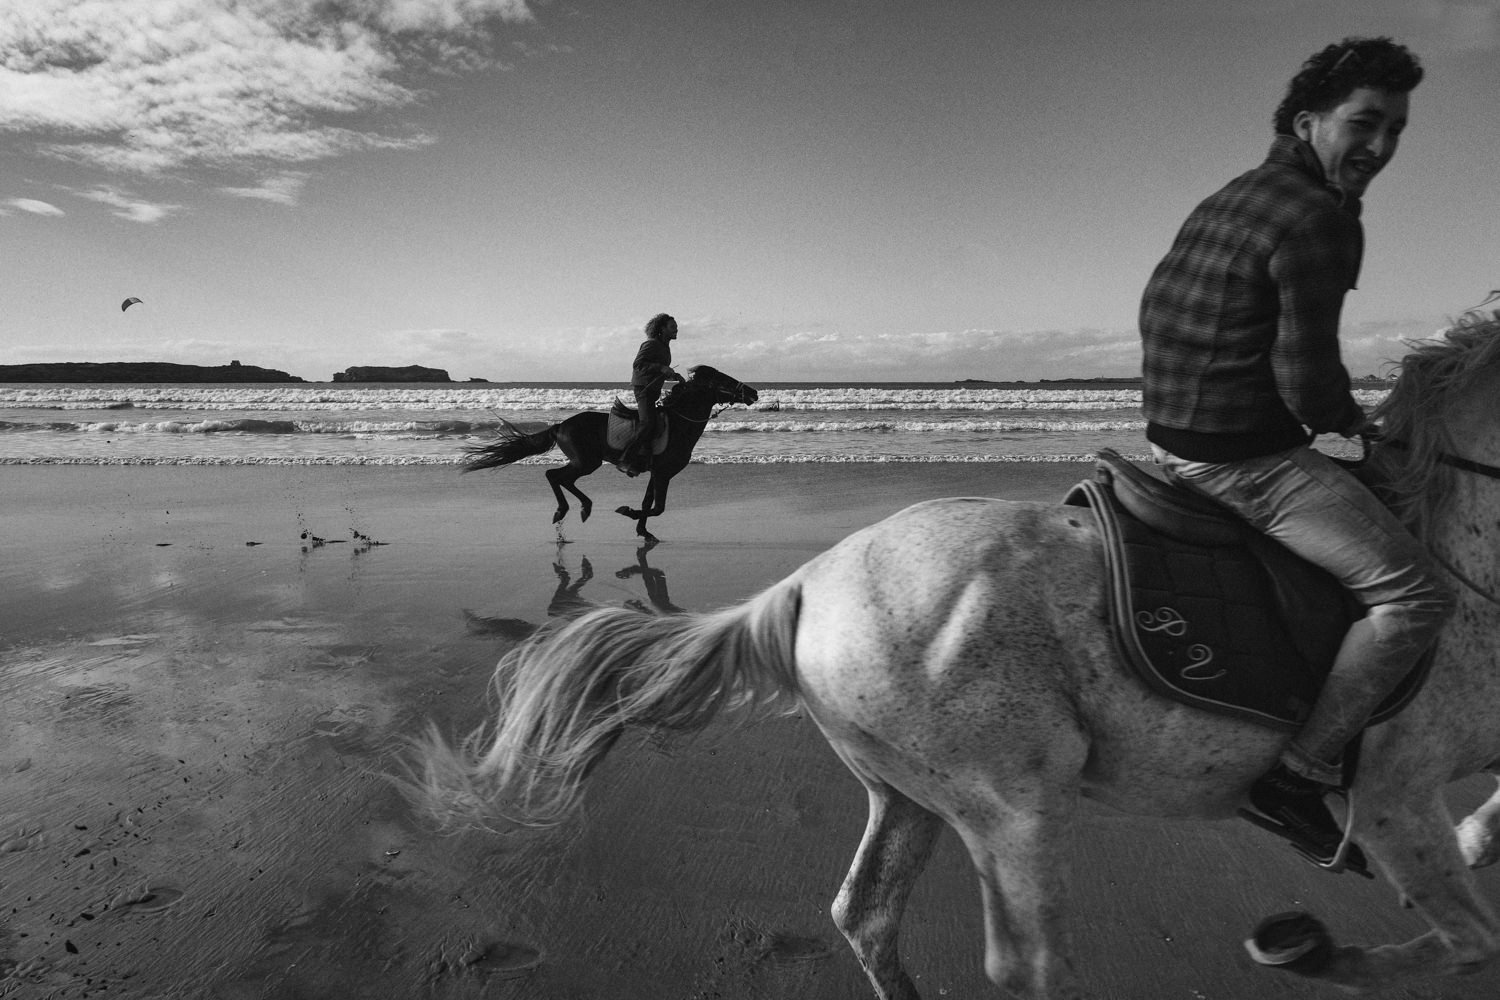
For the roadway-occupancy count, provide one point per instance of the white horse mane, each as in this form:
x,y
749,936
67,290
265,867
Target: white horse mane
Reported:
x,y
1433,378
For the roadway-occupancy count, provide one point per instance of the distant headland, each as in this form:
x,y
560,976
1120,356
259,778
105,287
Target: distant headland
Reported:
x,y
163,371
140,371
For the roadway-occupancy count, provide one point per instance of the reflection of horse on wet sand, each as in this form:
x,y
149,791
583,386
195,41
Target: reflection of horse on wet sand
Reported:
x,y
584,441
568,601
957,657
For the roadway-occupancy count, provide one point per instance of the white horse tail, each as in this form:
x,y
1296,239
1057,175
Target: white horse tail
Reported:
x,y
567,693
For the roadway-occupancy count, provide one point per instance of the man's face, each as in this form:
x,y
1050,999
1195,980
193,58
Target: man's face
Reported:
x,y
1355,140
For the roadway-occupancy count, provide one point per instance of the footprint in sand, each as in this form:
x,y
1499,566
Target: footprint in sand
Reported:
x,y
24,839
503,959
759,944
787,948
153,899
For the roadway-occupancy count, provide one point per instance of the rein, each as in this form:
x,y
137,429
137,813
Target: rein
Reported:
x,y
730,402
1456,461
1467,465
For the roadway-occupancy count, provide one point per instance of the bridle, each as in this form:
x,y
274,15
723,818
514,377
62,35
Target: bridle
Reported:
x,y
728,395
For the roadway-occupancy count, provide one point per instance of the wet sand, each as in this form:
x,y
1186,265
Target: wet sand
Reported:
x,y
204,673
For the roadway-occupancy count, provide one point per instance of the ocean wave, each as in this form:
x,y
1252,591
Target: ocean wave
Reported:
x,y
531,398
436,429
921,427
433,460
255,425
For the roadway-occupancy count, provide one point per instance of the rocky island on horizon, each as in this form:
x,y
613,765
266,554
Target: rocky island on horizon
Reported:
x,y
140,371
379,373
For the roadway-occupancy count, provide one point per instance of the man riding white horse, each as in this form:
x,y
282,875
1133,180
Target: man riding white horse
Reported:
x,y
1242,368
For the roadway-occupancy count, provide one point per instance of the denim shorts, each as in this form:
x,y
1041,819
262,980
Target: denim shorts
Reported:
x,y
1305,501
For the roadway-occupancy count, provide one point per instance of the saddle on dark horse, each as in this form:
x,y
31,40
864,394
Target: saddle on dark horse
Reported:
x,y
619,432
1212,613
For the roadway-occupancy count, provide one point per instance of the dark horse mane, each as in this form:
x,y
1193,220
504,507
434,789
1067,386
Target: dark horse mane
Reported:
x,y
699,377
1433,379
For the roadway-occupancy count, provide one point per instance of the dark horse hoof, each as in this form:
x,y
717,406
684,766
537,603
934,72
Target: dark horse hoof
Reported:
x,y
559,516
626,511
1296,942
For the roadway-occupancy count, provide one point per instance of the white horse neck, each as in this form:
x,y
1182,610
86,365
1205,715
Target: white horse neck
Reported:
x,y
1462,695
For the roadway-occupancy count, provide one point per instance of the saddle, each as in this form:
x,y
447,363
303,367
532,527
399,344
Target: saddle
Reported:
x,y
1212,613
619,432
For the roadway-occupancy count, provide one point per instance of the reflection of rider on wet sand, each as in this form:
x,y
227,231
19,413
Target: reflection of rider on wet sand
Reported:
x,y
655,581
568,603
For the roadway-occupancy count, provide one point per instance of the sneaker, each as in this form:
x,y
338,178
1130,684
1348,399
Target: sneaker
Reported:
x,y
1295,808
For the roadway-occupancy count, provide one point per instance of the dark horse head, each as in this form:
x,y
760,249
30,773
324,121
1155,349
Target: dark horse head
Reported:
x,y
707,381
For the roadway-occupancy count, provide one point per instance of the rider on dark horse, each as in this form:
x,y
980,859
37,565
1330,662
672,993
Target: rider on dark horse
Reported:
x,y
649,373
1240,326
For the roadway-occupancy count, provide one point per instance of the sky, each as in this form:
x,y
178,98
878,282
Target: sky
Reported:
x,y
860,190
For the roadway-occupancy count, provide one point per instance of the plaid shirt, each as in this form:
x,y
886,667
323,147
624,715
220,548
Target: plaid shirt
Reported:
x,y
1240,320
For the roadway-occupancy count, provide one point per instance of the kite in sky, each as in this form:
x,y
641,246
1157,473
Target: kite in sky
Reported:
x,y
128,303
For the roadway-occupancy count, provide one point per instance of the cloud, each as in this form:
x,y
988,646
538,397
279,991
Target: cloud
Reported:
x,y
941,355
283,188
822,353
149,86
813,352
1472,27
33,206
129,207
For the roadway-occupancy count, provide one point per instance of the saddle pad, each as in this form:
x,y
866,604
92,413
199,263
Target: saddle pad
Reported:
x,y
1222,628
619,432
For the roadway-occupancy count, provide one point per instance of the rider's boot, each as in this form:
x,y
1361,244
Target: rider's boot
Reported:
x,y
1296,806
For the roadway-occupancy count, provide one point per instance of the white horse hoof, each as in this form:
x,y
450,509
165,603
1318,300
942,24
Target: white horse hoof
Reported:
x,y
1477,843
1296,942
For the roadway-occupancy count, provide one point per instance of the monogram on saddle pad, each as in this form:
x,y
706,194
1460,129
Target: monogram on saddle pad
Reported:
x,y
1210,612
621,429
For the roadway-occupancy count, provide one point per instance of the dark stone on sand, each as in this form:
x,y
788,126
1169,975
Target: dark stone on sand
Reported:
x,y
140,371
377,373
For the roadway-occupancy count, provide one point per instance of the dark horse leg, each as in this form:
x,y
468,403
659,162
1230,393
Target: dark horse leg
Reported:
x,y
584,452
652,504
567,478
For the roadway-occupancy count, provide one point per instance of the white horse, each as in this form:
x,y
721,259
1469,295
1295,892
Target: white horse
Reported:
x,y
957,658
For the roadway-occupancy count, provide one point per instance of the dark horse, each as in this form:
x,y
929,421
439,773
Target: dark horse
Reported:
x,y
582,439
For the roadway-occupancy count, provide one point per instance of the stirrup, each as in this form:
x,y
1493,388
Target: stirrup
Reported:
x,y
1341,861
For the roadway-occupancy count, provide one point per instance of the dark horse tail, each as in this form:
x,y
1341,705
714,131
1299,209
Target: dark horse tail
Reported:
x,y
514,444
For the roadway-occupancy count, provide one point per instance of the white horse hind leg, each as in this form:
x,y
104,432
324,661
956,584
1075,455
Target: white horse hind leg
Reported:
x,y
897,843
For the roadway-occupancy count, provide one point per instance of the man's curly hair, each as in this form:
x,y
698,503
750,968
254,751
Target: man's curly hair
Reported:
x,y
1333,74
656,326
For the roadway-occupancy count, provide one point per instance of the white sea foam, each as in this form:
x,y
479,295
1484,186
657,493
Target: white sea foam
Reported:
x,y
430,424
433,460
